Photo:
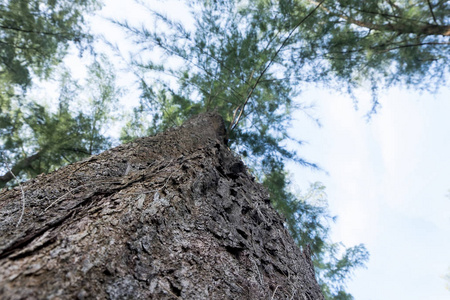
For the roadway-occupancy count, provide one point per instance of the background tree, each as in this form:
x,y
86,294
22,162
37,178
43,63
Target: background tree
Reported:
x,y
34,37
35,138
35,34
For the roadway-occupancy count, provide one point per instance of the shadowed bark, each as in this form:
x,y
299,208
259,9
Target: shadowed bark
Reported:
x,y
173,216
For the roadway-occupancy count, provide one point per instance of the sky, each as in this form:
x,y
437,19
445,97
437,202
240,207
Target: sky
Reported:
x,y
387,180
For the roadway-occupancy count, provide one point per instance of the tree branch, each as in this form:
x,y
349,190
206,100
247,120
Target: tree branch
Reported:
x,y
59,34
413,45
426,29
18,167
393,5
241,108
431,11
380,49
173,52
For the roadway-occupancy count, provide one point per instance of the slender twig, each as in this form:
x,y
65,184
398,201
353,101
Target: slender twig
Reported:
x,y
21,188
59,199
393,5
62,34
174,52
431,11
427,28
378,48
170,176
234,123
412,45
188,37
342,13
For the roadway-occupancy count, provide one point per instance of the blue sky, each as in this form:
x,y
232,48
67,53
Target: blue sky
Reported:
x,y
386,179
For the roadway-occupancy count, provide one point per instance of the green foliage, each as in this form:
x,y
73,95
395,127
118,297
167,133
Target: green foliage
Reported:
x,y
227,65
36,138
381,41
34,35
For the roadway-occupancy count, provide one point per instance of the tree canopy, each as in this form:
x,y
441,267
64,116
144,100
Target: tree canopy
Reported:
x,y
38,138
34,37
381,42
35,34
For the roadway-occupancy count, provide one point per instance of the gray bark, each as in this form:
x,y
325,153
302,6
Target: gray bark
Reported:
x,y
173,216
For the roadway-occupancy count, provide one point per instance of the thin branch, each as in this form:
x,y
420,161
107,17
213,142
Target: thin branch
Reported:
x,y
59,34
175,53
413,45
393,5
221,64
276,288
235,93
145,86
379,13
426,29
379,49
59,199
234,122
431,11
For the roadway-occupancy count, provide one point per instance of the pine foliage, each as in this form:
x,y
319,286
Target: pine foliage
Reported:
x,y
35,34
380,42
34,37
38,138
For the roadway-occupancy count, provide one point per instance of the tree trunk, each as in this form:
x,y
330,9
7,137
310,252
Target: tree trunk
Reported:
x,y
173,216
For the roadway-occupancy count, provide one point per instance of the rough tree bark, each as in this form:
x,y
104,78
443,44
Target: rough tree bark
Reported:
x,y
173,216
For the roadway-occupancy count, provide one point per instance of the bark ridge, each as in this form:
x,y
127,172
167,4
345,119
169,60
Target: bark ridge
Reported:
x,y
172,216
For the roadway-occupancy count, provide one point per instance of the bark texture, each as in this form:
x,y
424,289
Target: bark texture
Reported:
x,y
173,216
